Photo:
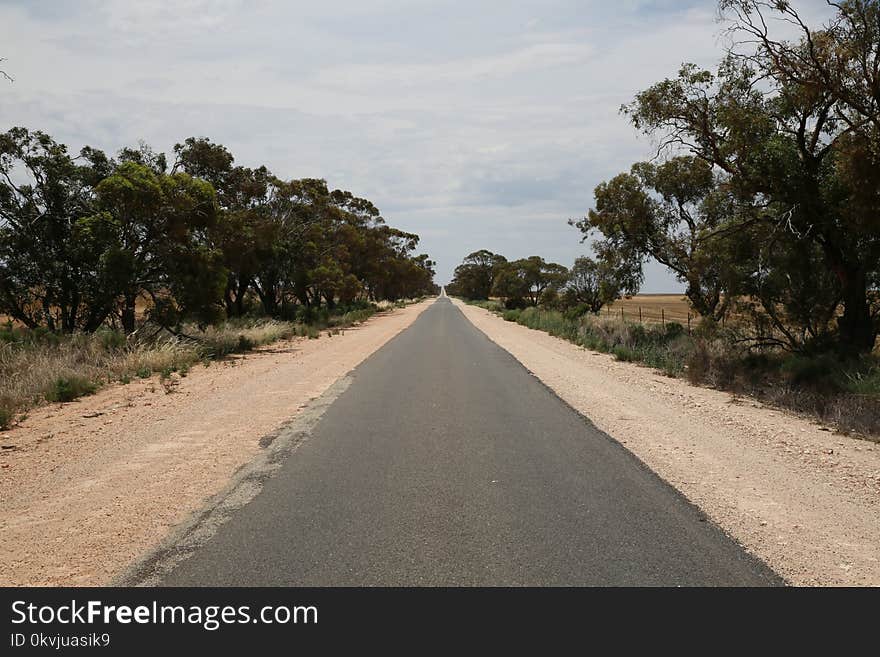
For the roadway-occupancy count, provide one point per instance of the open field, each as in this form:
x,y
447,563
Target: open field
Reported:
x,y
652,308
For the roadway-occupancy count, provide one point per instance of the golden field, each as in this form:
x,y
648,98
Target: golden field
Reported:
x,y
654,308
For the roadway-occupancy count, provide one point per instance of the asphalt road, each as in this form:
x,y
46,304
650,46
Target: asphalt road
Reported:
x,y
446,463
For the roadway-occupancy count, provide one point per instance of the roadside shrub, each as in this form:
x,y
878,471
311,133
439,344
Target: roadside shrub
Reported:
x,y
863,383
351,317
245,343
111,340
490,304
576,312
845,394
7,415
312,315
65,389
673,330
623,353
549,299
818,372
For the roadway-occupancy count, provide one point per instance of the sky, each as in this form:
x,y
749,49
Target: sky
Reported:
x,y
473,124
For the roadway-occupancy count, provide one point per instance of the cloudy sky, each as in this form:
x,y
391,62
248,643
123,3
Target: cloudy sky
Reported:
x,y
474,124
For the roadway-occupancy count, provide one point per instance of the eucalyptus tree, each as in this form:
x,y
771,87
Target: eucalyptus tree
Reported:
x,y
790,129
51,271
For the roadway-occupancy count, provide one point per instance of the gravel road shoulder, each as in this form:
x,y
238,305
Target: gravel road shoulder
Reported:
x,y
804,500
89,486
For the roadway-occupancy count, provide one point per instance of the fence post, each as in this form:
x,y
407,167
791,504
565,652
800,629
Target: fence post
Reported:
x,y
621,315
689,323
640,314
663,317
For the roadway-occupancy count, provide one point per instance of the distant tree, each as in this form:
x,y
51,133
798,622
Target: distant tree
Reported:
x,y
510,285
474,277
593,284
539,276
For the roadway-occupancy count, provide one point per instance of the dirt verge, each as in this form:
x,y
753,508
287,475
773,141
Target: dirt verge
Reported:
x,y
87,487
804,500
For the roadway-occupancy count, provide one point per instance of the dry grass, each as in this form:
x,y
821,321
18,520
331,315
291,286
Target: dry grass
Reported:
x,y
844,395
654,308
61,370
38,367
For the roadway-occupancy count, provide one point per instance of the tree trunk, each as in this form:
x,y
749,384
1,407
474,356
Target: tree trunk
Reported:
x,y
128,313
858,331
228,297
269,298
243,285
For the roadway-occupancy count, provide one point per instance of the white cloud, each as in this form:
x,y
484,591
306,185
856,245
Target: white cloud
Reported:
x,y
505,65
474,124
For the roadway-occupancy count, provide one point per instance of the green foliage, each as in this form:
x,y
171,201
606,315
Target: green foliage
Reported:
x,y
92,241
576,311
775,207
511,315
111,340
65,389
528,279
662,211
664,348
351,317
592,284
51,272
623,353
865,382
475,276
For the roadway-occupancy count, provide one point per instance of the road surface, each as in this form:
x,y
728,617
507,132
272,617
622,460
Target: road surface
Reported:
x,y
446,463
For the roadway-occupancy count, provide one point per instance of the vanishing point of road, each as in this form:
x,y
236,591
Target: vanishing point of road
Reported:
x,y
446,463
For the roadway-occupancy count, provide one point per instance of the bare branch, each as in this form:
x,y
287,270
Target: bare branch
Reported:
x,y
4,73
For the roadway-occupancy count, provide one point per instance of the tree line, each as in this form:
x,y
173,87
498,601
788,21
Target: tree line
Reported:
x,y
763,197
88,240
532,281
768,199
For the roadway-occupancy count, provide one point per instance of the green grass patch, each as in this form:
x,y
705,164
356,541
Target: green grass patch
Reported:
x,y
65,389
